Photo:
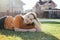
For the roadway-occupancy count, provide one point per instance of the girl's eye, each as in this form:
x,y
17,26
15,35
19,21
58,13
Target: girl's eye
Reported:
x,y
31,19
28,16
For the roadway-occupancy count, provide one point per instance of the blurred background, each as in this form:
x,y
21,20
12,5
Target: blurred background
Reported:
x,y
48,12
43,8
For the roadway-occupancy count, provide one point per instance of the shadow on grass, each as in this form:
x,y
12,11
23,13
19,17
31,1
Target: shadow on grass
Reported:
x,y
51,22
29,35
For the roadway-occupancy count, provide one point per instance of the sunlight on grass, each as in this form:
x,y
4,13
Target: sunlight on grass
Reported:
x,y
52,28
11,35
4,37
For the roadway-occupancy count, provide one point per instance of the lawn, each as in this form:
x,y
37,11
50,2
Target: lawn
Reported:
x,y
50,31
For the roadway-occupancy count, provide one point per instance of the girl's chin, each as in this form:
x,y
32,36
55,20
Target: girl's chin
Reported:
x,y
28,23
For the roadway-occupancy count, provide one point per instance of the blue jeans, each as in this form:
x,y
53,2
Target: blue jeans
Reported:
x,y
2,19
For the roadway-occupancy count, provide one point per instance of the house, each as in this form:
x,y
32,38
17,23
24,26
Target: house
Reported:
x,y
18,6
52,13
42,5
11,6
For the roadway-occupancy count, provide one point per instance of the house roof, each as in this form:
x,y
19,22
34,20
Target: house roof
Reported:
x,y
41,2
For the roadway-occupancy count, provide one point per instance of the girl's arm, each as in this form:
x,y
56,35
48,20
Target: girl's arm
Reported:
x,y
37,24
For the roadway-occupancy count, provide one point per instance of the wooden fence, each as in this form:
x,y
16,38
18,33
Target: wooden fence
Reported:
x,y
54,13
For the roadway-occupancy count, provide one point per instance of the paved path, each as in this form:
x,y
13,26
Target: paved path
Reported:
x,y
49,20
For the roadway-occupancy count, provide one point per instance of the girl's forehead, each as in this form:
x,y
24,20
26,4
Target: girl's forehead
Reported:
x,y
31,16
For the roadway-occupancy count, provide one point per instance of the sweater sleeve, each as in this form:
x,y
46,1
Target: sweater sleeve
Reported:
x,y
8,23
18,21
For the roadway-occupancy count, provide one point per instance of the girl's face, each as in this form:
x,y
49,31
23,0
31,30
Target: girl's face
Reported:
x,y
28,19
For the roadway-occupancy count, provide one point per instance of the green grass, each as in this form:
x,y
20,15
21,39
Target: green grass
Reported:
x,y
52,28
50,31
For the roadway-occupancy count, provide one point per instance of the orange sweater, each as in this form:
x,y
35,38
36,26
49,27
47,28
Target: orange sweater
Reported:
x,y
16,22
8,23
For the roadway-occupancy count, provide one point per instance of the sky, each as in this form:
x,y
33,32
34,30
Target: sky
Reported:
x,y
58,3
30,3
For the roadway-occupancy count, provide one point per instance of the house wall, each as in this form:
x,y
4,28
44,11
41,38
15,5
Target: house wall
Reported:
x,y
11,4
4,5
52,13
9,7
39,9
